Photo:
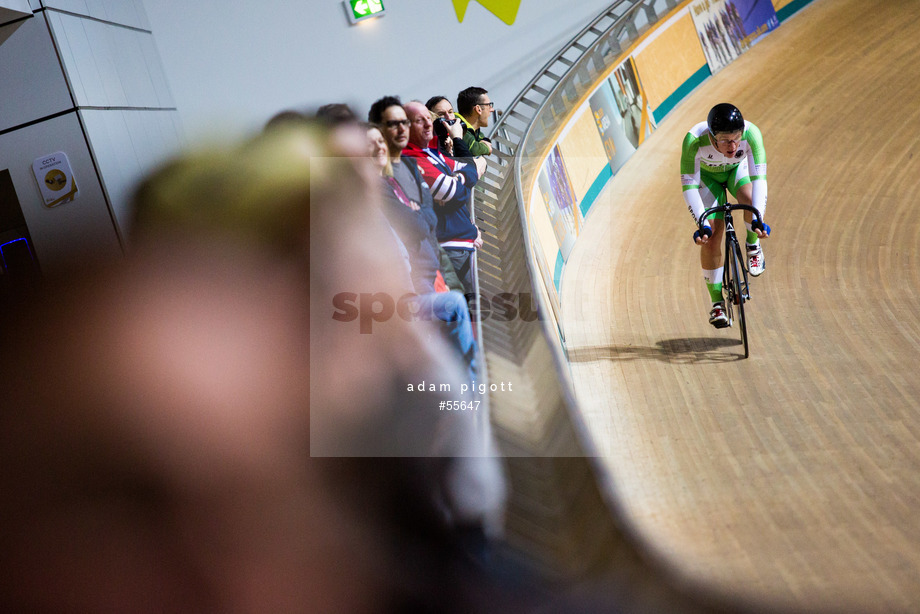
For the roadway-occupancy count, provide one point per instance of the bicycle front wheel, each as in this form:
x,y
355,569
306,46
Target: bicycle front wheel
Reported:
x,y
739,292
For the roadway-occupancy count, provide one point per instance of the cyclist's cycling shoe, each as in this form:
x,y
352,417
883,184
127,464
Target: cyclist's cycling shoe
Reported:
x,y
717,316
756,261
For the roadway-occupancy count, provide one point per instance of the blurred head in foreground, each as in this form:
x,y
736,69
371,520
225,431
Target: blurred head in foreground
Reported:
x,y
155,436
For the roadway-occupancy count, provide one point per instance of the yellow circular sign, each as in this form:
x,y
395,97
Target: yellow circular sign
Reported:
x,y
55,180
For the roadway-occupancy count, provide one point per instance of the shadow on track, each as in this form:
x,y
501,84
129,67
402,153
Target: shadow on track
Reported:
x,y
683,351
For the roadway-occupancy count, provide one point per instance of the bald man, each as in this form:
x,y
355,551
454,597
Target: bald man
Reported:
x,y
451,183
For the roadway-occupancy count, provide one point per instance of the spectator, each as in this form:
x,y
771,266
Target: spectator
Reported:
x,y
336,114
379,152
271,195
286,118
474,109
475,522
407,206
159,432
344,124
407,201
408,209
440,106
451,183
448,131
393,121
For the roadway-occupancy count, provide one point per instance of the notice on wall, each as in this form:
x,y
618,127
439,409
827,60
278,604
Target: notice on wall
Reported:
x,y
728,28
55,179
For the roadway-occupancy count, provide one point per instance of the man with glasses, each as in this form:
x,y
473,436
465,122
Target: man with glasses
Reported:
x,y
451,182
474,109
388,113
724,153
407,205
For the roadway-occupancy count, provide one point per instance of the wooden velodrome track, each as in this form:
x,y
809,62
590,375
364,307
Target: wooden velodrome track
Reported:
x,y
792,476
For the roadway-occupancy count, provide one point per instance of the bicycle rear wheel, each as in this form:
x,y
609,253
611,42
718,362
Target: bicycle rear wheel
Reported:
x,y
739,292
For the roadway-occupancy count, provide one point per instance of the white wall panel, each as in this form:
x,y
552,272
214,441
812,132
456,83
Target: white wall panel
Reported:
x,y
115,156
19,6
77,57
65,234
94,8
14,9
127,145
108,65
103,49
32,85
126,12
72,6
125,47
156,73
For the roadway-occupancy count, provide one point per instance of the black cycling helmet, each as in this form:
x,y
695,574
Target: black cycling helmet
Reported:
x,y
725,117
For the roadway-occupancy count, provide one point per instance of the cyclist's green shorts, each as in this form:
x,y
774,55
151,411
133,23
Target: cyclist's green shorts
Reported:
x,y
716,184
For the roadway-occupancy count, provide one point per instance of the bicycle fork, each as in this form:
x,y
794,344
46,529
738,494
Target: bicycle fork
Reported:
x,y
735,251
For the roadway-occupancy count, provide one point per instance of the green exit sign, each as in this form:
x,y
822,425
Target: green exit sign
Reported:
x,y
359,10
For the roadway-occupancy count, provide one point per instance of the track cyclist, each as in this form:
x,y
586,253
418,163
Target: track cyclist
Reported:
x,y
724,152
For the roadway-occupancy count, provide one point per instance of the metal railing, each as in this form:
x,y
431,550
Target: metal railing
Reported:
x,y
555,485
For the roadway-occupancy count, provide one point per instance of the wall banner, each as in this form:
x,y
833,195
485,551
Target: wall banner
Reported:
x,y
609,124
728,28
636,115
559,198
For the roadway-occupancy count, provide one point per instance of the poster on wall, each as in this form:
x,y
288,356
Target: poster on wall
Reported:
x,y
559,198
564,196
728,28
561,187
632,104
610,126
545,245
615,114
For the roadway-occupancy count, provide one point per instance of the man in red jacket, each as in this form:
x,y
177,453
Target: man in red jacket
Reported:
x,y
451,183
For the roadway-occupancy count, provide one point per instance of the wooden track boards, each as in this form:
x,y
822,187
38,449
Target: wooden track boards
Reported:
x,y
794,475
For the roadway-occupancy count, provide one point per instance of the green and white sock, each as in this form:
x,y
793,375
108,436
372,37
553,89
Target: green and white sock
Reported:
x,y
752,238
713,279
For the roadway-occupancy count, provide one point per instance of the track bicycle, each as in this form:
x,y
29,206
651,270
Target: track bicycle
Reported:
x,y
735,289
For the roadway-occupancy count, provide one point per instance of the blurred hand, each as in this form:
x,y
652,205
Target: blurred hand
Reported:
x,y
478,242
481,165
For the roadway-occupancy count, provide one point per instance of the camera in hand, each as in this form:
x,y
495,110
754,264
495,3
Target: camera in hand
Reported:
x,y
440,128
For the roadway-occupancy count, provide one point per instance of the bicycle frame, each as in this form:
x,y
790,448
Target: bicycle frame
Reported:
x,y
735,286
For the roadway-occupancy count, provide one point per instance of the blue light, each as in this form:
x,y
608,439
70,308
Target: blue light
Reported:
x,y
3,248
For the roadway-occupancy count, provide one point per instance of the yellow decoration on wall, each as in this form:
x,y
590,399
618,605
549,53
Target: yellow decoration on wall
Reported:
x,y
506,10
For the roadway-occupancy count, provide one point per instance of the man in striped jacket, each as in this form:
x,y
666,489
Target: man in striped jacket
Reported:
x,y
451,182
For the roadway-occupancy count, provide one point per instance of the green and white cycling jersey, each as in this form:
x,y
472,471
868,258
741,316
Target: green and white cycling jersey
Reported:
x,y
705,173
